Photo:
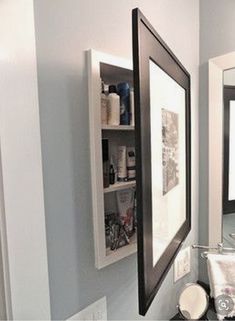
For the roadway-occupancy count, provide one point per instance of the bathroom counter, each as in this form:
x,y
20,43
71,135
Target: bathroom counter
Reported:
x,y
210,316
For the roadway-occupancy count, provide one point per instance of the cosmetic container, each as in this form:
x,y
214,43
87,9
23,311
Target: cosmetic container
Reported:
x,y
104,105
111,175
123,90
105,155
113,106
131,163
122,170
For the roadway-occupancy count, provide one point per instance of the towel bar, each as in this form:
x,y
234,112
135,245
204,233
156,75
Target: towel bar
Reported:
x,y
220,249
232,235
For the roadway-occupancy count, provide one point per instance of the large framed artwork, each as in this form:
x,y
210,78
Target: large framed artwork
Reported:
x,y
162,104
229,151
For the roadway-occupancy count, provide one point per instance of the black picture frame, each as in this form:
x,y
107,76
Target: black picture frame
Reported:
x,y
147,44
228,205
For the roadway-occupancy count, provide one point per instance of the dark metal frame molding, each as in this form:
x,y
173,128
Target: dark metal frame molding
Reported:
x,y
147,45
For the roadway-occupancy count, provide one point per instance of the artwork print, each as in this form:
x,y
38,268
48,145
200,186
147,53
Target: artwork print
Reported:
x,y
170,144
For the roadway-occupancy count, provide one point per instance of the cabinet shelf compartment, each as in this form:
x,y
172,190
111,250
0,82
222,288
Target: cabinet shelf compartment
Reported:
x,y
112,70
120,127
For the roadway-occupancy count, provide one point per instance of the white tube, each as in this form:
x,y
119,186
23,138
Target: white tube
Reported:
x,y
114,109
122,171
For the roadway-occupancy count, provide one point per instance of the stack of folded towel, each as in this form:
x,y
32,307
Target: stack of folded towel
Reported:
x,y
221,271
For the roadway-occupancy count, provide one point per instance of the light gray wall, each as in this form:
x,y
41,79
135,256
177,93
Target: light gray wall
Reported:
x,y
217,37
64,30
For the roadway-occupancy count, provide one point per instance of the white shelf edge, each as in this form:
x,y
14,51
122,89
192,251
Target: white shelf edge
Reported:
x,y
119,186
118,255
118,127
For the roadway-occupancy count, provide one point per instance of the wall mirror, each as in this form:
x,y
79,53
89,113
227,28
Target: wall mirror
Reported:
x,y
191,293
162,103
222,150
229,142
229,157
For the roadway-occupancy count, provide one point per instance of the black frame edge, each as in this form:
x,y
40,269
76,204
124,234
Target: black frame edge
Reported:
x,y
135,47
138,17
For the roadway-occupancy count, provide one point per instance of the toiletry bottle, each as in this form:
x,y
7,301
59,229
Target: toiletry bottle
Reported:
x,y
105,155
130,163
104,105
111,175
123,90
132,108
113,161
121,167
113,106
125,203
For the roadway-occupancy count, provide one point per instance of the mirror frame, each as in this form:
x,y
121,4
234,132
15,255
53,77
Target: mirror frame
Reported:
x,y
147,45
216,67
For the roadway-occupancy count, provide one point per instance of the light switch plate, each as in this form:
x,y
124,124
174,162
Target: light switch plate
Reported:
x,y
97,311
182,264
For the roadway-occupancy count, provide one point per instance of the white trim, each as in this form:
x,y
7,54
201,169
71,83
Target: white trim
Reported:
x,y
217,66
22,163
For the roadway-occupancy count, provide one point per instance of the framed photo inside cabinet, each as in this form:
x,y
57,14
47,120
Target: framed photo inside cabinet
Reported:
x,y
162,118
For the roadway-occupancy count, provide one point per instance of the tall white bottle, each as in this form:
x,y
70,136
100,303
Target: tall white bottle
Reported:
x,y
113,106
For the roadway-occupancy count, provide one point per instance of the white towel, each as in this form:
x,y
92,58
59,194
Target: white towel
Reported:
x,y
221,271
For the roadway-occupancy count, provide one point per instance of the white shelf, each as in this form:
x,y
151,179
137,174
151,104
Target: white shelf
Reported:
x,y
119,185
119,127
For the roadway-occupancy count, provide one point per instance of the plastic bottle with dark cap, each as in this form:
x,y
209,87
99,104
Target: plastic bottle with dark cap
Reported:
x,y
123,90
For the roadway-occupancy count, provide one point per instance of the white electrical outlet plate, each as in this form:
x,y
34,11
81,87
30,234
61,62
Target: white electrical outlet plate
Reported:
x,y
97,311
182,264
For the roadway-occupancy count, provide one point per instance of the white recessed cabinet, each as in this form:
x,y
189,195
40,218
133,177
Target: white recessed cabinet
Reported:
x,y
112,154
